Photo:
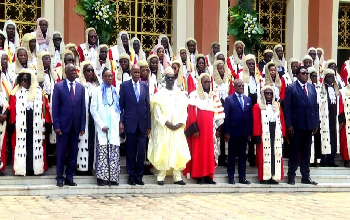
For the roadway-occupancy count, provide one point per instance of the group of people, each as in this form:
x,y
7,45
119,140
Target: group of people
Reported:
x,y
180,111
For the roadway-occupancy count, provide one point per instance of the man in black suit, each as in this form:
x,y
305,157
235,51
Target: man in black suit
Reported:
x,y
238,128
302,121
135,121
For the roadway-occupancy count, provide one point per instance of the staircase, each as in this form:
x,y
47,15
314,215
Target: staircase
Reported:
x,y
330,180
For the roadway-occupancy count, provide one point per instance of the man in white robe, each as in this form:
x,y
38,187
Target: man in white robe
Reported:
x,y
168,148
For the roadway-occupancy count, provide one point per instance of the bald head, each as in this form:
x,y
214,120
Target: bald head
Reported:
x,y
135,73
239,86
71,72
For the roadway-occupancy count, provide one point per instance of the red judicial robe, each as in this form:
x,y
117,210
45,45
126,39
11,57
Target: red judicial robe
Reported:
x,y
202,161
3,131
344,71
258,131
13,119
344,108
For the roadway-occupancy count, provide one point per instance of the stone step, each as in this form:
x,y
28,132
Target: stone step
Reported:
x,y
152,179
92,189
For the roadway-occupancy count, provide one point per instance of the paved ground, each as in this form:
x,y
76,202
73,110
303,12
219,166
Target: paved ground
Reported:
x,y
182,206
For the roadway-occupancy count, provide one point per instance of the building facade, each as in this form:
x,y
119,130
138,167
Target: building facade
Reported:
x,y
296,24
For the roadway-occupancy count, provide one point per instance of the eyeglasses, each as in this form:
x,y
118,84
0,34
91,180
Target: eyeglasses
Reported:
x,y
92,36
268,93
145,70
304,73
109,77
57,38
240,86
89,70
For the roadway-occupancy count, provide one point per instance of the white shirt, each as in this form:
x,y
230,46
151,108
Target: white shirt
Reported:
x,y
30,104
302,87
239,99
68,84
138,86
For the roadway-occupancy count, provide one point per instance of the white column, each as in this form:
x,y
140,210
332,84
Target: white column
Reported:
x,y
190,19
223,22
48,12
59,16
297,28
179,24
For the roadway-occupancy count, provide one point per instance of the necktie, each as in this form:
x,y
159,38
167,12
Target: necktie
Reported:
x,y
304,88
136,92
241,101
71,90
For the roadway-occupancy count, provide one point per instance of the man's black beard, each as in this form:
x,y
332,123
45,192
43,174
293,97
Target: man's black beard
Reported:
x,y
206,90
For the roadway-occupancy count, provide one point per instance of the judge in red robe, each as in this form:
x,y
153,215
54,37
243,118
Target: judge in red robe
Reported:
x,y
205,116
344,118
4,108
268,129
26,108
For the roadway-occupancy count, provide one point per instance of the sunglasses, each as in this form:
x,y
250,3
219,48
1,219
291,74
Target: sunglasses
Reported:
x,y
89,70
109,77
304,73
93,36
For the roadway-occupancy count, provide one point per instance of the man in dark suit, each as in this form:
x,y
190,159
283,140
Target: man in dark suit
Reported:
x,y
302,120
238,127
135,121
68,113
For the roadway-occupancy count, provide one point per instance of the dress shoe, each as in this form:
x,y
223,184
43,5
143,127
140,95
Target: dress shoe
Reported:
x,y
113,183
313,165
181,182
209,180
244,181
272,181
346,163
231,181
332,165
161,183
264,182
69,183
2,174
308,181
323,165
200,180
100,182
140,182
59,184
131,183
291,181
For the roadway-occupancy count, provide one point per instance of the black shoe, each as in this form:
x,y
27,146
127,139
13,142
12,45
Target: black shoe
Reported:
x,y
131,183
264,182
222,161
346,163
208,180
100,182
161,183
272,181
313,165
308,181
323,165
59,184
231,181
2,174
332,165
69,183
140,182
244,181
291,181
200,180
252,164
181,182
113,183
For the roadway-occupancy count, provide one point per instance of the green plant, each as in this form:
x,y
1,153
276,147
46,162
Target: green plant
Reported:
x,y
97,14
244,25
